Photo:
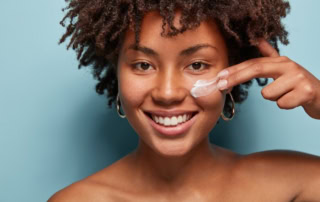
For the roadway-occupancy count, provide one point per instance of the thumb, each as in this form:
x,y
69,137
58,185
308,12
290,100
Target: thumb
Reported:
x,y
266,49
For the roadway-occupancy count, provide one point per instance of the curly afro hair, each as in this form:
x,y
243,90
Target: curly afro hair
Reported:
x,y
96,29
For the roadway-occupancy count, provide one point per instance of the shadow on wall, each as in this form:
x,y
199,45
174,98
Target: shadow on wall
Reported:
x,y
234,134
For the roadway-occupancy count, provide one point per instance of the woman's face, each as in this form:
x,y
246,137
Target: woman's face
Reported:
x,y
155,81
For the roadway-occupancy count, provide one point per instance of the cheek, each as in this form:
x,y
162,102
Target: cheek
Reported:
x,y
132,90
212,105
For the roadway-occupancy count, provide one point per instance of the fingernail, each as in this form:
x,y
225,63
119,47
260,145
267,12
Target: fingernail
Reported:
x,y
222,84
224,73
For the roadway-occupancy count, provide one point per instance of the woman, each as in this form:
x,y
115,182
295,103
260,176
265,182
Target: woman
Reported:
x,y
148,55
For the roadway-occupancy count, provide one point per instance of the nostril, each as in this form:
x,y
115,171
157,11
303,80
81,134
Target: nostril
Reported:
x,y
167,95
165,100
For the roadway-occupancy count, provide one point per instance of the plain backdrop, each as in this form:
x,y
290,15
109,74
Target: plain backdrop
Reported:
x,y
55,130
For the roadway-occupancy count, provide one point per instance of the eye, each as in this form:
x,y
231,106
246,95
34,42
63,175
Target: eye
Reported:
x,y
141,66
198,66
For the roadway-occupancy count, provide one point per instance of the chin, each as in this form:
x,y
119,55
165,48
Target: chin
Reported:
x,y
171,149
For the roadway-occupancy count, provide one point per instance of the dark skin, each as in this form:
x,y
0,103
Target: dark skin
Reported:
x,y
264,176
189,168
293,85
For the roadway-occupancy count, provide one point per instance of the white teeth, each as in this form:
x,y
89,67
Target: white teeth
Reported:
x,y
167,121
184,118
161,120
173,121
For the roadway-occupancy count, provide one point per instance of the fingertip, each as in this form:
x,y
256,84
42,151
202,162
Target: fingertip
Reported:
x,y
222,84
223,74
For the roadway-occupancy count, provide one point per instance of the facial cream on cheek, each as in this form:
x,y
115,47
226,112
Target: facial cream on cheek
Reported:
x,y
204,87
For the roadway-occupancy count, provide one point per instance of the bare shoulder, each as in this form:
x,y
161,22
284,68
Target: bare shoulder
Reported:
x,y
103,185
73,192
292,172
278,159
84,190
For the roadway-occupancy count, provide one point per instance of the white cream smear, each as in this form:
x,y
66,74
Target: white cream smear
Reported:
x,y
204,87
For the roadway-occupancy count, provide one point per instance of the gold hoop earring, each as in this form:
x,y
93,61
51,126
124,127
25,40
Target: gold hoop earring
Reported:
x,y
118,108
233,110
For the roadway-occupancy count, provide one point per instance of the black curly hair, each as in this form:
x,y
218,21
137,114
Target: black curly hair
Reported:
x,y
97,29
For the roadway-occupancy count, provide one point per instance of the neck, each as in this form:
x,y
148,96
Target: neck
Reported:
x,y
174,171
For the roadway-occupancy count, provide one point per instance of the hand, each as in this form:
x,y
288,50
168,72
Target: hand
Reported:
x,y
293,85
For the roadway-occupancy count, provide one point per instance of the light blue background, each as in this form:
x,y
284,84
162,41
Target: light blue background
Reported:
x,y
55,130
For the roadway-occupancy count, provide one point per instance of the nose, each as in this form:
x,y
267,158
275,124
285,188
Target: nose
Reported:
x,y
169,89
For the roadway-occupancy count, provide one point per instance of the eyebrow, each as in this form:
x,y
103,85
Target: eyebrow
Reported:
x,y
186,52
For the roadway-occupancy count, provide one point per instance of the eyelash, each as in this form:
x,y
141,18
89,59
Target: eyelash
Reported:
x,y
134,66
202,63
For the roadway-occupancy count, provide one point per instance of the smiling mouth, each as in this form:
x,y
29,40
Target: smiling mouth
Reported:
x,y
171,121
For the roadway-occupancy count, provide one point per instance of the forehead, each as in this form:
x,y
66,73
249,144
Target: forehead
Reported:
x,y
152,27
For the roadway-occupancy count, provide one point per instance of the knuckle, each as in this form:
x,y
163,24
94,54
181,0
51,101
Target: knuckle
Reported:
x,y
291,64
249,63
258,68
301,76
309,91
283,58
233,79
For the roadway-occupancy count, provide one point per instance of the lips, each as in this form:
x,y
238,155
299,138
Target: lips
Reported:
x,y
171,123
